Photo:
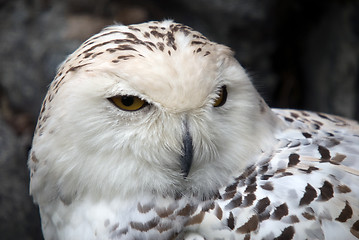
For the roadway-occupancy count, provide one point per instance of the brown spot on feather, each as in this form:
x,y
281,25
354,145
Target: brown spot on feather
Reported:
x,y
288,119
186,211
267,186
324,152
121,232
280,211
87,55
228,195
125,57
234,203
248,171
162,227
266,177
284,174
134,28
251,180
144,227
250,226
171,41
262,106
262,205
125,47
293,159
157,34
294,219
338,158
145,208
293,114
164,212
218,212
263,169
307,135
287,234
75,68
308,196
130,35
94,47
251,188
231,187
34,158
114,227
111,50
343,188
197,219
309,169
197,43
161,46
208,206
355,229
308,216
248,200
326,191
96,54
230,221
318,122
280,170
345,214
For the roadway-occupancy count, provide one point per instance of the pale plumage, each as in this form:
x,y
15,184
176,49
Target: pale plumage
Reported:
x,y
152,131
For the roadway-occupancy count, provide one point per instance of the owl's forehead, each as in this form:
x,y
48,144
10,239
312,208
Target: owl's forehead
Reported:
x,y
118,44
165,60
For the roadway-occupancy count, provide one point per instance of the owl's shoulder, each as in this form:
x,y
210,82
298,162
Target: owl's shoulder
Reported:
x,y
304,187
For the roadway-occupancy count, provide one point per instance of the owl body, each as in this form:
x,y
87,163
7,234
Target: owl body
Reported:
x,y
151,131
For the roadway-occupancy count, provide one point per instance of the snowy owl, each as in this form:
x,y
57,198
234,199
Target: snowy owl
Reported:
x,y
152,131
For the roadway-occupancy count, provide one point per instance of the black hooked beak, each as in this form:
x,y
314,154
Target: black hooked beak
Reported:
x,y
187,152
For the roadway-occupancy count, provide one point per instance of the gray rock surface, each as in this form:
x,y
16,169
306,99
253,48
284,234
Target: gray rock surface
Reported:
x,y
18,216
330,62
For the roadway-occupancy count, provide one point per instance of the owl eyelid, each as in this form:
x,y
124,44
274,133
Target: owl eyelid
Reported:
x,y
222,97
111,99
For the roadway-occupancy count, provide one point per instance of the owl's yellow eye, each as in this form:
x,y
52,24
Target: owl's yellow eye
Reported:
x,y
128,103
222,97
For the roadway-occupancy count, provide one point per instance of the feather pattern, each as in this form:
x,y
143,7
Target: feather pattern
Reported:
x,y
305,188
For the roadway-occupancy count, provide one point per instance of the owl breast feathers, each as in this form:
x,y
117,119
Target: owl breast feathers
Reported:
x,y
152,131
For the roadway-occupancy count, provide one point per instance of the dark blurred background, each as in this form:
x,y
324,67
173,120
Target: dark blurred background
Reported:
x,y
300,54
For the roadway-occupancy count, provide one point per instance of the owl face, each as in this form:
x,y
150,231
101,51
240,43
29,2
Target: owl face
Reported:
x,y
154,108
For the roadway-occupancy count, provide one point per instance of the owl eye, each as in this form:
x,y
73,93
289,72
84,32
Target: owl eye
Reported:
x,y
128,103
222,97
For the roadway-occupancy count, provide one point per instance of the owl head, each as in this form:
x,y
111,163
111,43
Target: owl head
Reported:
x,y
150,108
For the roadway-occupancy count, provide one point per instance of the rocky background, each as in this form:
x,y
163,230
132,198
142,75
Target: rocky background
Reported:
x,y
300,53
